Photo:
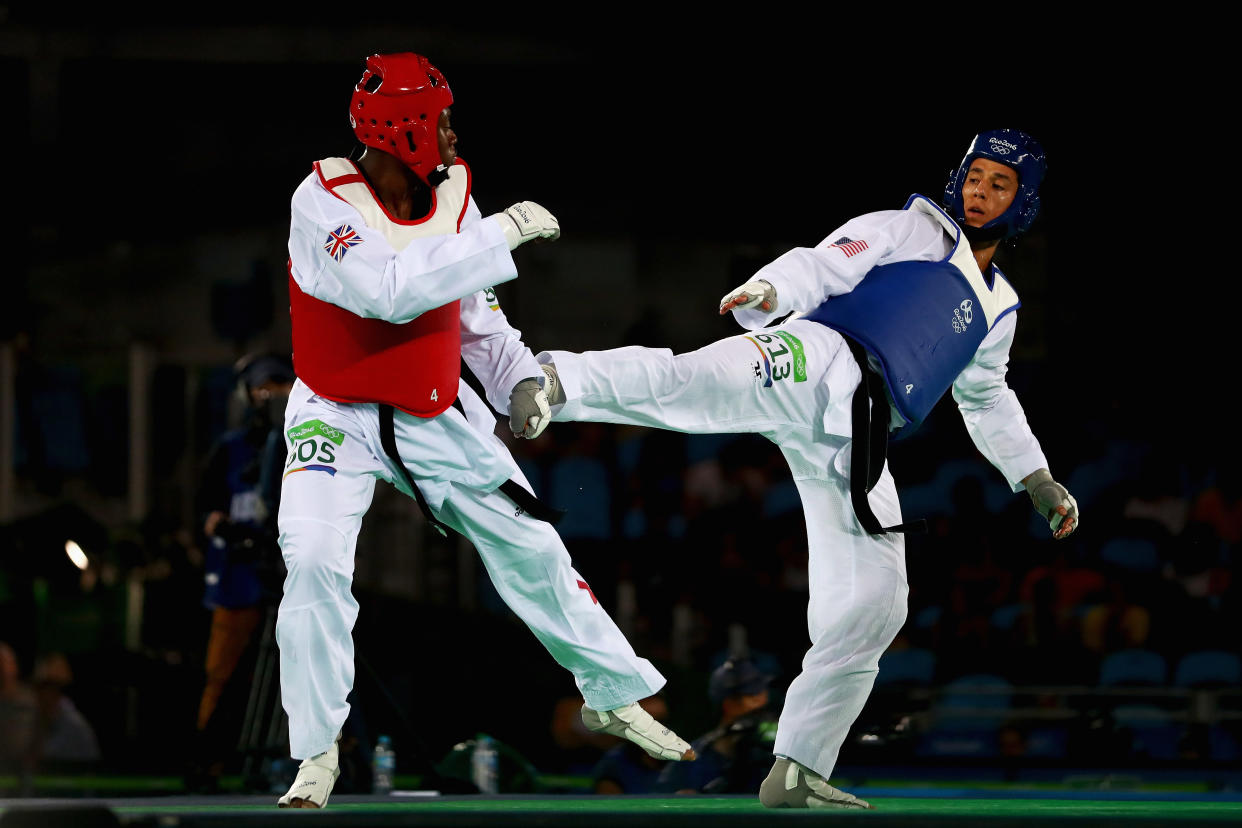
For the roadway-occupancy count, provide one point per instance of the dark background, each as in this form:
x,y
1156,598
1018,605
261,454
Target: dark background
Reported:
x,y
150,159
763,133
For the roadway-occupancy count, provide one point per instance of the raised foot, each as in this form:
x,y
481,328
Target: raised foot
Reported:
x,y
637,725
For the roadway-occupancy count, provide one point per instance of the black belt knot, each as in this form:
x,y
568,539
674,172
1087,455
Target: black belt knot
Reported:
x,y
532,505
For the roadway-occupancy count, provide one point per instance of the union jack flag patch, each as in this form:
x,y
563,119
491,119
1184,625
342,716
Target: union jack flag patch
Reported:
x,y
340,240
848,246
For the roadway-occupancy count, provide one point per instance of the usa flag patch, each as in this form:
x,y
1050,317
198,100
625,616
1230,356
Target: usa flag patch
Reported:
x,y
848,246
340,240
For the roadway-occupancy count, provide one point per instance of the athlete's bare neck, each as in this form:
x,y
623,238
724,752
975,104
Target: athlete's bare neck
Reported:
x,y
403,194
984,252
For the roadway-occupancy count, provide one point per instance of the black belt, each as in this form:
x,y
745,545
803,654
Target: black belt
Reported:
x,y
870,445
532,505
526,501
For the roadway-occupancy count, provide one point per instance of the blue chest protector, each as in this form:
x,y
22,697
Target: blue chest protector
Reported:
x,y
921,321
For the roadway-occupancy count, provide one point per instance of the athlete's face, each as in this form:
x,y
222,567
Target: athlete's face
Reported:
x,y
988,191
447,138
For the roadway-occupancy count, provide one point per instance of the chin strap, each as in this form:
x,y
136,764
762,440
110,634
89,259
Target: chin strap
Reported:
x,y
438,176
985,234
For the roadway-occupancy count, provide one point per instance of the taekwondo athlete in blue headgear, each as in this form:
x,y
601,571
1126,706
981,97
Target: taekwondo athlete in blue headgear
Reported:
x,y
847,342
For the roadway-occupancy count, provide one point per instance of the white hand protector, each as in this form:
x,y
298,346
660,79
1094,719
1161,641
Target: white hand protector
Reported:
x,y
1053,502
759,294
525,221
529,413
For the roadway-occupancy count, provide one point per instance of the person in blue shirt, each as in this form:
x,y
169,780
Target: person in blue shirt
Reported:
x,y
735,755
242,564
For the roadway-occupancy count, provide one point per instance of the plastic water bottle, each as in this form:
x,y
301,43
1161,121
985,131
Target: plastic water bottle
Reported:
x,y
383,766
485,764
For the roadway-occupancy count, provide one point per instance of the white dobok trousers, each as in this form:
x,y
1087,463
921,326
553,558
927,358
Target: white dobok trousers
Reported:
x,y
327,488
793,384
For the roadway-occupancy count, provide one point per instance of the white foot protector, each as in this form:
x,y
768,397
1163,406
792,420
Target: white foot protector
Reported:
x,y
790,785
314,781
633,723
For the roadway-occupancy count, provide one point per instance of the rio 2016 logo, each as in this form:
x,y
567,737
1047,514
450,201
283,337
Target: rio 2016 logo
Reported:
x,y
962,315
1001,146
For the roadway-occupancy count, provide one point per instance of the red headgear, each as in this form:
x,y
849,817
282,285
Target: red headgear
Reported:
x,y
396,108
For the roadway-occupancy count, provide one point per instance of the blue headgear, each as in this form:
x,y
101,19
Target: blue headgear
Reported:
x,y
1014,149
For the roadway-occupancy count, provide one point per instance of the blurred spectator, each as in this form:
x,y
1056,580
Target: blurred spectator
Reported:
x,y
1157,493
979,583
1051,596
17,714
1219,505
1063,585
729,476
626,768
1193,595
736,755
1118,621
238,498
1100,484
580,749
62,733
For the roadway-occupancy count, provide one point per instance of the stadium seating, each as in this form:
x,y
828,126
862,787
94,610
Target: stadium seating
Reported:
x,y
1132,553
1133,667
967,718
915,665
1208,668
1155,733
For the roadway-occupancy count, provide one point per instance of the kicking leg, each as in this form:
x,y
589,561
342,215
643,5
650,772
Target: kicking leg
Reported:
x,y
760,382
532,572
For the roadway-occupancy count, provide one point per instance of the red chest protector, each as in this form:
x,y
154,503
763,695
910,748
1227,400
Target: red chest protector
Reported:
x,y
415,366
